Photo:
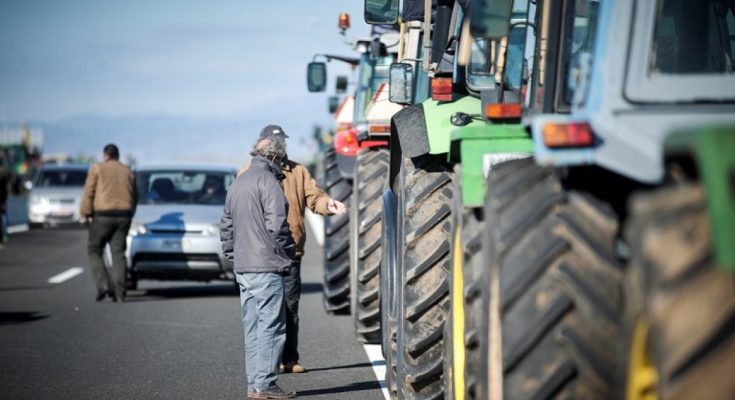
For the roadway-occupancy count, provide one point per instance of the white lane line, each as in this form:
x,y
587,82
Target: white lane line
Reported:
x,y
375,355
66,275
316,222
17,228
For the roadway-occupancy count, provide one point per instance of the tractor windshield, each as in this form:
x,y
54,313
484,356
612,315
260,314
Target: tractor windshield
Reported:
x,y
372,74
485,54
683,51
694,37
578,45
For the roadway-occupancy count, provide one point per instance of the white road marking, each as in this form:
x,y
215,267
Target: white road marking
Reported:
x,y
17,228
66,275
316,222
375,355
373,351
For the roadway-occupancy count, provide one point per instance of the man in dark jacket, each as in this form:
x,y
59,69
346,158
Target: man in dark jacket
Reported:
x,y
255,236
301,193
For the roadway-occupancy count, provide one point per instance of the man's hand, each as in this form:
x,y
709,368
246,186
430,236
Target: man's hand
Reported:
x,y
336,207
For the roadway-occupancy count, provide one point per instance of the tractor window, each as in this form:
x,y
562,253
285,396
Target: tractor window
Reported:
x,y
372,74
515,61
422,81
578,44
694,37
481,69
362,92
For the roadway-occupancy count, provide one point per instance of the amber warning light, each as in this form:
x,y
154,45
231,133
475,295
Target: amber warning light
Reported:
x,y
503,111
577,134
344,21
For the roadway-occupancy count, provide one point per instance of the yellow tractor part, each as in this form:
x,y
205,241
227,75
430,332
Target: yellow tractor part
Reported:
x,y
642,374
457,373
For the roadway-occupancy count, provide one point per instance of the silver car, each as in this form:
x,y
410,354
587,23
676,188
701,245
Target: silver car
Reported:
x,y
56,193
175,231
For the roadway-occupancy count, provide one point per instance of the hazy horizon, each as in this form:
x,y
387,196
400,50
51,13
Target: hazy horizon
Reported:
x,y
168,80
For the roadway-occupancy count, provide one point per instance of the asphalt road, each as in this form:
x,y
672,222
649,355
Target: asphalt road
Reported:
x,y
170,341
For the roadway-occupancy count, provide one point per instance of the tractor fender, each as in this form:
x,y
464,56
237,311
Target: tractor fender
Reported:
x,y
409,125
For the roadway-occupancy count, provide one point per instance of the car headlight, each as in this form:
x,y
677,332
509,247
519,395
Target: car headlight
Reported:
x,y
42,200
212,230
137,229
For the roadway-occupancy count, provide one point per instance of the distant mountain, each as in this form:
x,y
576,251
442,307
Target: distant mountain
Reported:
x,y
160,138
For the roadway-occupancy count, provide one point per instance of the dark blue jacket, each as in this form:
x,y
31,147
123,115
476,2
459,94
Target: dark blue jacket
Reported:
x,y
254,228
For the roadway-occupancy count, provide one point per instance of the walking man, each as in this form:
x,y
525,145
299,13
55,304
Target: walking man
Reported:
x,y
108,205
301,192
255,236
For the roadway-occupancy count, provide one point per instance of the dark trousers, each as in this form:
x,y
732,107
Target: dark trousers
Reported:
x,y
292,289
112,230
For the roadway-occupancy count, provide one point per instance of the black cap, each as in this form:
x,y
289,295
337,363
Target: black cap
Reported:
x,y
272,131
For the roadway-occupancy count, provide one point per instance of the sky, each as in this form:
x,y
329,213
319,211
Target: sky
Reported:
x,y
169,80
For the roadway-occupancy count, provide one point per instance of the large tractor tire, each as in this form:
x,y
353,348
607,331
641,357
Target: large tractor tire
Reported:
x,y
367,204
461,348
473,225
680,318
427,193
551,288
336,240
390,278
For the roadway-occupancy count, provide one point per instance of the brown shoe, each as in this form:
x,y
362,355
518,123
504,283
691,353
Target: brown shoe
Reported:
x,y
293,367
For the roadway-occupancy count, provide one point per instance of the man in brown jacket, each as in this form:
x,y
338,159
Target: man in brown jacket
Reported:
x,y
301,193
108,205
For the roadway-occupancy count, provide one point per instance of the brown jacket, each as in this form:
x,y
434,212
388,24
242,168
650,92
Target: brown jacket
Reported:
x,y
301,192
110,187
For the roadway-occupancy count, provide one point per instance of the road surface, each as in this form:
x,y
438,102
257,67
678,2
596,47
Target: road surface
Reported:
x,y
171,340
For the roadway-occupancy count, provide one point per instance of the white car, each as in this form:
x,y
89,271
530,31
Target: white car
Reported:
x,y
56,193
175,230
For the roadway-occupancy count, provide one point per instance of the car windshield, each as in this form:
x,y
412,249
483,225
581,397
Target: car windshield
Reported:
x,y
183,187
694,37
61,178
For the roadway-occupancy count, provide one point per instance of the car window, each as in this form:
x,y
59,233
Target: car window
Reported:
x,y
61,178
183,187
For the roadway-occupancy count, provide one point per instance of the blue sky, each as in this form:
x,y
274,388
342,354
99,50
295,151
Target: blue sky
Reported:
x,y
167,79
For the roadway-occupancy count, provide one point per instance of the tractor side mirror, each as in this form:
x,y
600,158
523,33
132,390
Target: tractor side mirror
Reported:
x,y
381,12
341,84
490,18
401,83
316,76
333,104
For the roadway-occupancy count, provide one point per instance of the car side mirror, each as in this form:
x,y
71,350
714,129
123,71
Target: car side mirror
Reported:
x,y
401,83
341,84
490,18
316,76
333,104
381,12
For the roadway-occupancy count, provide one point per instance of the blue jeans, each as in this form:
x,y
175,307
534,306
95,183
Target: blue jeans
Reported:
x,y
264,320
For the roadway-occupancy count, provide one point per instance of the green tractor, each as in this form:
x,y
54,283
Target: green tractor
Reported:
x,y
427,189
